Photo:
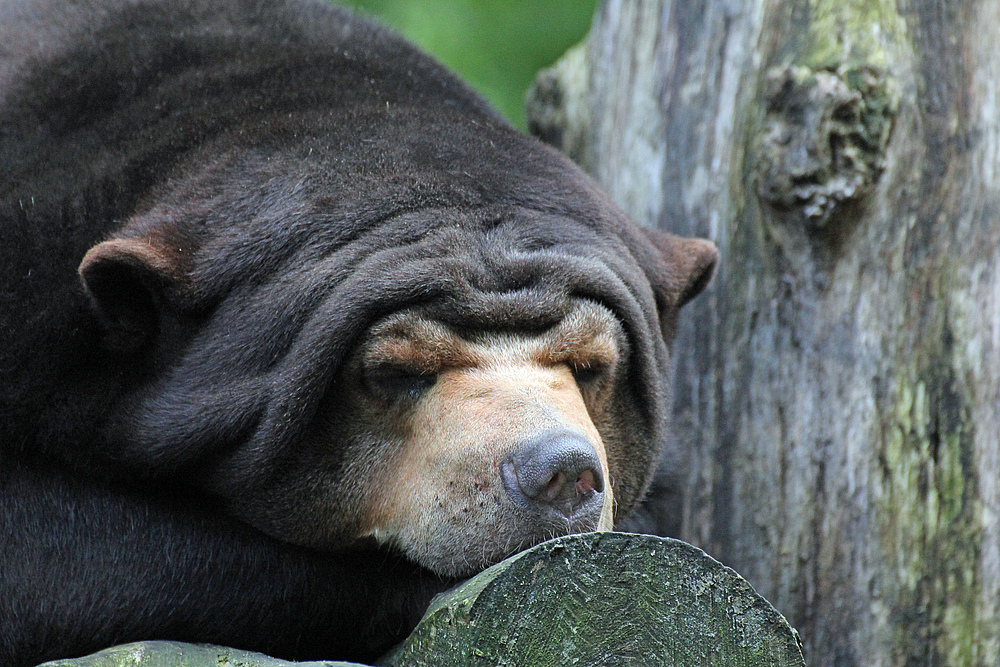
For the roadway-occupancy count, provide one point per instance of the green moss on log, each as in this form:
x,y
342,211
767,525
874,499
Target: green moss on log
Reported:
x,y
603,599
178,654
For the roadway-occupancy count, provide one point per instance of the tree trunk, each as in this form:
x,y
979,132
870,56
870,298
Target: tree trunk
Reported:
x,y
838,388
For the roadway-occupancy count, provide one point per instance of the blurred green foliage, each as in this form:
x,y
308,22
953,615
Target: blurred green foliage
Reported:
x,y
495,45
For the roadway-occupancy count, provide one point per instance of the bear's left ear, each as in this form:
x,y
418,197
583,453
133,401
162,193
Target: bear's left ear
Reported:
x,y
127,280
685,268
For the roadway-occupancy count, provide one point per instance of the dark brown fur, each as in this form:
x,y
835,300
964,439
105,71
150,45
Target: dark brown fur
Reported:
x,y
213,216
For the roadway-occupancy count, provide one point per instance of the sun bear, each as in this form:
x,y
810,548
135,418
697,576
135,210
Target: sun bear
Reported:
x,y
295,331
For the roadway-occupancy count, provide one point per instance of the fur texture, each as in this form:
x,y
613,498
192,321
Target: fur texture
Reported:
x,y
204,208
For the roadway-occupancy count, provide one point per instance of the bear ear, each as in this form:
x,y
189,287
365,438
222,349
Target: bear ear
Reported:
x,y
686,267
126,280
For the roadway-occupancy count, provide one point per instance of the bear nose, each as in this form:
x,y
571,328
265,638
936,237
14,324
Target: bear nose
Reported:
x,y
557,469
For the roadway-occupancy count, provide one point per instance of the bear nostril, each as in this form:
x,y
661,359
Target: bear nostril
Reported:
x,y
586,483
559,469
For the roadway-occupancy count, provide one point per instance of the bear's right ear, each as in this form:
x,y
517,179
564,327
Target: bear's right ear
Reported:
x,y
685,268
678,270
126,280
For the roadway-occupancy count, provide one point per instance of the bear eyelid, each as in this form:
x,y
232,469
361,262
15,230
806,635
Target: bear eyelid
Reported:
x,y
397,382
588,373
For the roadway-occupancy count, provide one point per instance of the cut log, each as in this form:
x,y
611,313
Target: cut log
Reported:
x,y
177,654
603,599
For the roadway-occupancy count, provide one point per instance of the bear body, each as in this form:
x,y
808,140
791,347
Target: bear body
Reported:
x,y
295,331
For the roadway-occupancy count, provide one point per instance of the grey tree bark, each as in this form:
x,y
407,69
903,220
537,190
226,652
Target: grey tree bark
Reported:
x,y
838,388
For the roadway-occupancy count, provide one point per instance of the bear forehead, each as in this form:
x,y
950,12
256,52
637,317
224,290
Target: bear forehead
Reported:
x,y
589,336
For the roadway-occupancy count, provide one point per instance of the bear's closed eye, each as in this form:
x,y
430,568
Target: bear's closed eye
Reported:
x,y
393,382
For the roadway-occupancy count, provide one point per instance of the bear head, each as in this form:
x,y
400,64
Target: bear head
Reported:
x,y
425,330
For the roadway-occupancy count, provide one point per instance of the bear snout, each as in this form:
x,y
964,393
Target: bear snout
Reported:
x,y
556,474
497,449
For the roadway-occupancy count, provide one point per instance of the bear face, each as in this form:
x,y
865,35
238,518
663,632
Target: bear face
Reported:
x,y
466,448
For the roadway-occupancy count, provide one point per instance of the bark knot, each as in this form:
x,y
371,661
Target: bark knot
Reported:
x,y
823,140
